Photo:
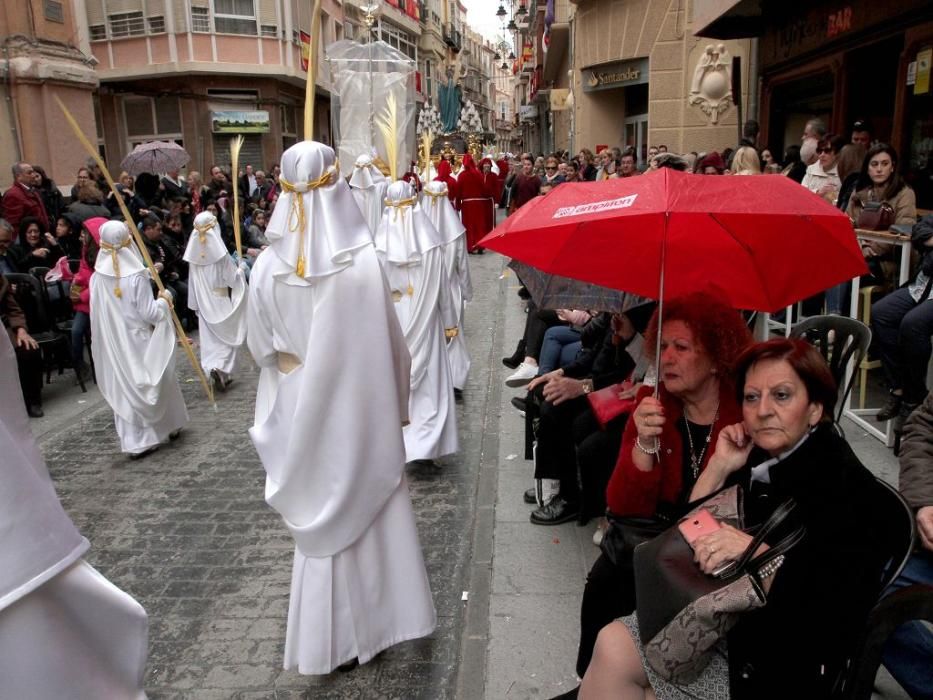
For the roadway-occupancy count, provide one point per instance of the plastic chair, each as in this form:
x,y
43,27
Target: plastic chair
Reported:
x,y
851,341
912,603
54,344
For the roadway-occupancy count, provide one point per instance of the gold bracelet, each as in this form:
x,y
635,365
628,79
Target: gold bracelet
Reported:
x,y
653,451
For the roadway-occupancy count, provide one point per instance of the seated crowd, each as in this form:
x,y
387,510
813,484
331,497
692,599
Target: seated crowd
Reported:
x,y
56,239
732,412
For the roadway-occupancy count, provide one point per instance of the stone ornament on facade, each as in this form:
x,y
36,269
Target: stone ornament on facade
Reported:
x,y
711,89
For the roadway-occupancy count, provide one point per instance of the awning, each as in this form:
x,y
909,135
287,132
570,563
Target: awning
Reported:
x,y
728,19
556,51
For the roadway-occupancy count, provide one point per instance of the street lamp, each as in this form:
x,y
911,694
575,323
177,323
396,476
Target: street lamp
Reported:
x,y
498,56
500,13
511,26
522,10
511,55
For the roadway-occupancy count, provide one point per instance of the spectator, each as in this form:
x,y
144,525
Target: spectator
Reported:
x,y
586,167
10,256
37,248
173,186
861,133
28,355
820,593
908,654
848,166
627,165
23,199
652,154
712,164
527,186
901,324
750,130
90,203
822,178
701,338
552,175
166,255
82,176
96,174
662,148
134,203
219,183
880,182
81,291
246,185
746,162
197,192
768,159
51,196
813,131
68,233
573,172
794,167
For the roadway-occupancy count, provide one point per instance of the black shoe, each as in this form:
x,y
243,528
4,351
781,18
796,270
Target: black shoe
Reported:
x,y
523,293
902,416
219,381
34,410
555,512
349,666
890,409
520,403
516,359
174,435
458,394
529,497
144,453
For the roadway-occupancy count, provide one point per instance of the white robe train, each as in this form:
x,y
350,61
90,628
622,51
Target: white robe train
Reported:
x,y
328,432
222,329
65,630
134,353
424,315
371,201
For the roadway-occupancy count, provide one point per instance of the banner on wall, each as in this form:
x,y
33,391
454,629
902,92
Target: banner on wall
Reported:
x,y
305,40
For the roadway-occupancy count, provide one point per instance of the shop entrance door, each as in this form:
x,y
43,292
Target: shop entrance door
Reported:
x,y
636,136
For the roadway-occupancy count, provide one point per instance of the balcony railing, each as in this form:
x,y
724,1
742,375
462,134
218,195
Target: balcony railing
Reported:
x,y
452,37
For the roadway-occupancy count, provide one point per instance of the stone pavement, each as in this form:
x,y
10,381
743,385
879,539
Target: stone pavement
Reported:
x,y
187,532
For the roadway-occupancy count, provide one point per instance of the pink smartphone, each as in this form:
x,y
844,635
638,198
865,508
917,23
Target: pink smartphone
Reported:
x,y
700,523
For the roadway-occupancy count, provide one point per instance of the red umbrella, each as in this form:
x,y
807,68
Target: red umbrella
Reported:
x,y
763,242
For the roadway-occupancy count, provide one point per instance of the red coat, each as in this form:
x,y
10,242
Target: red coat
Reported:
x,y
475,201
634,492
19,202
85,270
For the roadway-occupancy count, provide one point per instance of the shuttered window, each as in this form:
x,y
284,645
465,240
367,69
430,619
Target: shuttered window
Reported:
x,y
235,17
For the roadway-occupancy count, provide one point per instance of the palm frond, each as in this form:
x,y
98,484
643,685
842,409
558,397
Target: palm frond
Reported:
x,y
236,144
387,122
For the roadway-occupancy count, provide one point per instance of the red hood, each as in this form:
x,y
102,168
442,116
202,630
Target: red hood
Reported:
x,y
93,226
443,170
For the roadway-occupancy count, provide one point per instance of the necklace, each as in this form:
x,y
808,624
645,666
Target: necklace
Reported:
x,y
697,459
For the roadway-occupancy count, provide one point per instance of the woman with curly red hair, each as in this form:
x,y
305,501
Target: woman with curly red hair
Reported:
x,y
668,441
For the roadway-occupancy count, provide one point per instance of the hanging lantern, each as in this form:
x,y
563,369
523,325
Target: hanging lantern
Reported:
x,y
500,13
511,26
511,55
504,66
522,10
497,57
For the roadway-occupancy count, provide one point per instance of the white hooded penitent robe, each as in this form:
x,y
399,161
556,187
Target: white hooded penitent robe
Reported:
x,y
412,256
441,212
217,291
134,347
65,630
332,398
368,185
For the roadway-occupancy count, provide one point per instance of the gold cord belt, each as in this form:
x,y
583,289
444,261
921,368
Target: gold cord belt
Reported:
x,y
400,205
113,250
297,211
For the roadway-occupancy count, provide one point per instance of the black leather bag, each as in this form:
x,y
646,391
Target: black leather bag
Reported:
x,y
626,533
683,612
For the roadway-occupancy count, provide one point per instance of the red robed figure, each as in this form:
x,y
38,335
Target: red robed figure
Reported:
x,y
475,201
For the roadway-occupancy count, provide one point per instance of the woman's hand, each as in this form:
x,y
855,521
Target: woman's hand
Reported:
x,y
41,253
649,419
716,549
731,451
50,238
24,340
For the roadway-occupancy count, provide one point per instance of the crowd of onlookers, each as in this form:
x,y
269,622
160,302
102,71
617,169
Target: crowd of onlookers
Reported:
x,y
647,461
54,238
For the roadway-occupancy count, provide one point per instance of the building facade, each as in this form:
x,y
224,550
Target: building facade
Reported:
x,y
45,56
628,73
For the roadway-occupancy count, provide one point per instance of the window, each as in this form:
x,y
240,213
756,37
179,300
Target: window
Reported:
x,y
148,119
268,30
156,25
428,79
200,19
399,39
126,24
235,17
98,32
289,125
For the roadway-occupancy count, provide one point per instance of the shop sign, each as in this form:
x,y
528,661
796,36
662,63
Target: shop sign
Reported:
x,y
922,84
528,112
615,75
559,99
230,122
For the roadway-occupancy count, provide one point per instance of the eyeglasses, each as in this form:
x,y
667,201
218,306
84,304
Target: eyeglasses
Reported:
x,y
550,167
824,150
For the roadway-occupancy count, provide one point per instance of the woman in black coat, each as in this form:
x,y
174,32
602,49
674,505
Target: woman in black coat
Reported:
x,y
818,599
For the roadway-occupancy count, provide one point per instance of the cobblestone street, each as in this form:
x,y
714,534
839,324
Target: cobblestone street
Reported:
x,y
187,532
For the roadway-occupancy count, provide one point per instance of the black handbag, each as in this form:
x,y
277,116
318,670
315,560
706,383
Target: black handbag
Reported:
x,y
682,612
626,533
